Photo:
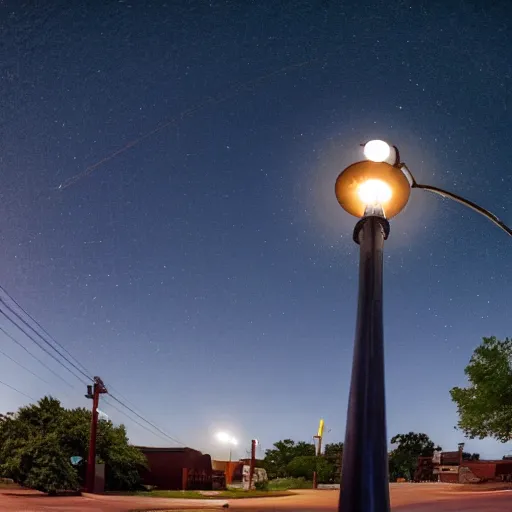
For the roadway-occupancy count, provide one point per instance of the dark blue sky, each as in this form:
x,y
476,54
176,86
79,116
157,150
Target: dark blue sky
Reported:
x,y
207,272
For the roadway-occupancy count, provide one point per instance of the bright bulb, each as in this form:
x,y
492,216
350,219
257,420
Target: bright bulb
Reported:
x,y
224,437
377,150
374,192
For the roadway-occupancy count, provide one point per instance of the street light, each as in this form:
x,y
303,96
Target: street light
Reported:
x,y
374,190
226,438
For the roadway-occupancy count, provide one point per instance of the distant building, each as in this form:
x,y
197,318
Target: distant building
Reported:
x,y
454,467
177,468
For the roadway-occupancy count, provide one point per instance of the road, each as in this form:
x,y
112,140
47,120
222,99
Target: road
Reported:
x,y
404,498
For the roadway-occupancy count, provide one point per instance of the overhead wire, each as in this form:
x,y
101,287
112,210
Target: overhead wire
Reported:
x,y
42,363
17,390
146,420
110,404
159,432
46,342
133,410
46,332
22,366
42,347
121,397
88,372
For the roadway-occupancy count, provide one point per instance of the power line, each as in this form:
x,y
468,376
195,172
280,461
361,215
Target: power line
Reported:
x,y
147,421
17,390
134,420
32,355
121,397
67,360
45,331
111,388
22,366
49,344
42,348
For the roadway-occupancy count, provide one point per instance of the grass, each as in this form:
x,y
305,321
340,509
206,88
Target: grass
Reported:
x,y
232,494
284,484
484,486
5,484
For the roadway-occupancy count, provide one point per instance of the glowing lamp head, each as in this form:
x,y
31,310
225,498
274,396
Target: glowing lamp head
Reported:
x,y
370,183
373,192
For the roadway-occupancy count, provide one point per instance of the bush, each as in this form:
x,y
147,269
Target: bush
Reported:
x,y
304,467
48,469
261,486
283,484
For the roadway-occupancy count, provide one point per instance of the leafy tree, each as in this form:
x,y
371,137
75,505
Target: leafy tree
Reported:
x,y
403,460
333,454
277,459
290,459
304,467
47,467
484,407
36,444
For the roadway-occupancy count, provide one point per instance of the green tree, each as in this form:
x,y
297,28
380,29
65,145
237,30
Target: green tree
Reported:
x,y
277,459
484,406
333,454
46,465
36,444
403,459
304,466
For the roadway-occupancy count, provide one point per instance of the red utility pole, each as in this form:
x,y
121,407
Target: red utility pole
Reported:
x,y
253,462
94,394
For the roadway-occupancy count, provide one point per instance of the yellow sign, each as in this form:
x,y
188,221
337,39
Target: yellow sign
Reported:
x,y
321,428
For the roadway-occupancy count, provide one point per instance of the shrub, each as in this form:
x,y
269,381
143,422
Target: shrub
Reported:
x,y
283,484
261,486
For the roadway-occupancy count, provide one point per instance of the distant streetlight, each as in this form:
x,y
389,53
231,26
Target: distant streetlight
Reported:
x,y
225,438
374,190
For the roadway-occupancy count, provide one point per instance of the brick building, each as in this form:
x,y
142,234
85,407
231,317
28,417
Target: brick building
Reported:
x,y
453,467
177,468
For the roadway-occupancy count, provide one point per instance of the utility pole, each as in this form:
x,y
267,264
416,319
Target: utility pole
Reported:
x,y
93,392
253,462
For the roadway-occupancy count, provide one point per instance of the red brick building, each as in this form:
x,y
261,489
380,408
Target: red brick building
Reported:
x,y
177,468
452,467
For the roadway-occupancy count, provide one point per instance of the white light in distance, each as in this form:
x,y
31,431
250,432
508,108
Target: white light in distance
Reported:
x,y
224,437
377,150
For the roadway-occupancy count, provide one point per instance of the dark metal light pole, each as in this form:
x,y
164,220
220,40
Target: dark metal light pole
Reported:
x,y
365,481
374,190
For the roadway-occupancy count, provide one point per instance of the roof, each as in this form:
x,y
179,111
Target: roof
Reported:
x,y
166,449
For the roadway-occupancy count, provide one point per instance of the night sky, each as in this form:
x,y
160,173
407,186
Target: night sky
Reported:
x,y
204,269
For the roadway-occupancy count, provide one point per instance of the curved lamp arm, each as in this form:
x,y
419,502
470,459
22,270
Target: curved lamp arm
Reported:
x,y
459,199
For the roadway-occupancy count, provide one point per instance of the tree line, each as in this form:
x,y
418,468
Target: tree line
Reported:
x,y
290,459
483,408
38,441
